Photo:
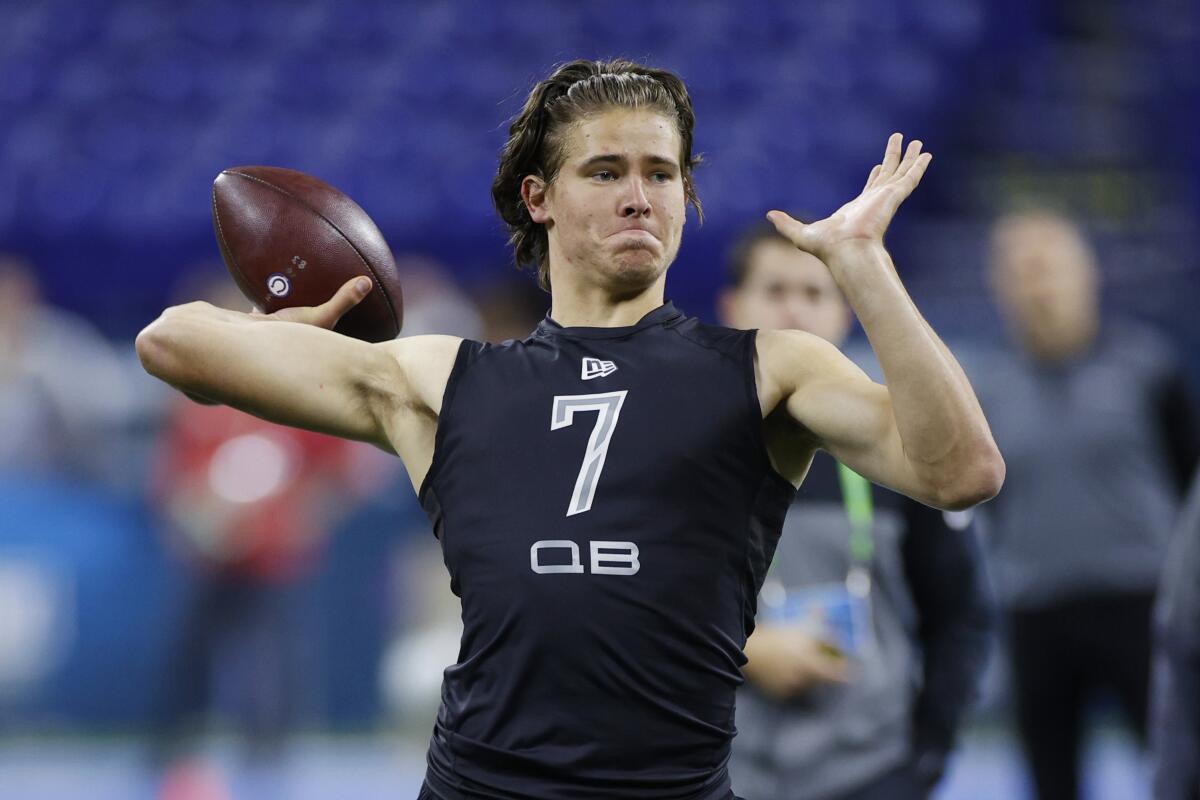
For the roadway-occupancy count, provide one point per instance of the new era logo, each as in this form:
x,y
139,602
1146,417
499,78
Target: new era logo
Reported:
x,y
596,368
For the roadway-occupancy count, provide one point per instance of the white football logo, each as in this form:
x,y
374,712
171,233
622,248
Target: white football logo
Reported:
x,y
279,285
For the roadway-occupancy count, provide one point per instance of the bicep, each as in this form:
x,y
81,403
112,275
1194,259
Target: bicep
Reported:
x,y
852,419
846,412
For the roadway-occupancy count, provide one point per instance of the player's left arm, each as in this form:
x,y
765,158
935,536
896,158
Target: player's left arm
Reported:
x,y
923,434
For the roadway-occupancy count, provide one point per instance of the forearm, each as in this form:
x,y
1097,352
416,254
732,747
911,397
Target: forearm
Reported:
x,y
186,344
216,312
285,372
943,432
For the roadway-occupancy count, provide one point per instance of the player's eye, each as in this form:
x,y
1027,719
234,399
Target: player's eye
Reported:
x,y
604,175
661,177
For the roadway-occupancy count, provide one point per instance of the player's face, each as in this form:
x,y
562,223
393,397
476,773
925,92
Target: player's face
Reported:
x,y
786,288
615,211
1045,279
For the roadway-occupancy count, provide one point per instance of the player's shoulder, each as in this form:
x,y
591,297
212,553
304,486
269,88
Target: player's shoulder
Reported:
x,y
793,349
790,339
419,350
733,342
437,356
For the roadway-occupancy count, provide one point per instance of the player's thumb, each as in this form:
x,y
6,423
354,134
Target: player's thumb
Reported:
x,y
347,297
791,228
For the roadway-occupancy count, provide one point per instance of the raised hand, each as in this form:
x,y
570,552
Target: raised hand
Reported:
x,y
865,218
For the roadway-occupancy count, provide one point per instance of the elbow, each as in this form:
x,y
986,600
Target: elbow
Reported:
x,y
158,344
978,482
152,348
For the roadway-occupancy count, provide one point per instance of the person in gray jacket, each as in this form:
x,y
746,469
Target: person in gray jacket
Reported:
x,y
1175,701
874,621
1099,430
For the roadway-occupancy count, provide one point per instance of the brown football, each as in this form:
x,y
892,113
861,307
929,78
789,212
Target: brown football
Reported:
x,y
289,239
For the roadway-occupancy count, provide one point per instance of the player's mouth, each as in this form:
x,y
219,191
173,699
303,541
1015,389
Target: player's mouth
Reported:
x,y
635,234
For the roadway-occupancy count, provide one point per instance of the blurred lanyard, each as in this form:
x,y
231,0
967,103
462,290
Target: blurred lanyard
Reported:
x,y
856,497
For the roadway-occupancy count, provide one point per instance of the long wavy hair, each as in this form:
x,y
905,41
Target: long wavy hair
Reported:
x,y
537,138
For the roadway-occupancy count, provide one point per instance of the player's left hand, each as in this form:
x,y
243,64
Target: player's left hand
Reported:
x,y
865,218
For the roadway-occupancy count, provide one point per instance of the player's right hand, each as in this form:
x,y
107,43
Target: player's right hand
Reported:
x,y
785,660
328,313
863,220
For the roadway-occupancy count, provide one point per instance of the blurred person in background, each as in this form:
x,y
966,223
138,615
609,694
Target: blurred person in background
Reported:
x,y
1100,433
64,394
872,711
1175,709
246,504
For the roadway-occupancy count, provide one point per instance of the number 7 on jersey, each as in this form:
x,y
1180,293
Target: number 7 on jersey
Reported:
x,y
608,409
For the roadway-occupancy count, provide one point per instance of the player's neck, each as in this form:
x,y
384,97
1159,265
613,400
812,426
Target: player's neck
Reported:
x,y
594,307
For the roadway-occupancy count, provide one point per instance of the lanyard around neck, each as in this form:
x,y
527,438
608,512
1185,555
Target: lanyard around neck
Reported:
x,y
856,499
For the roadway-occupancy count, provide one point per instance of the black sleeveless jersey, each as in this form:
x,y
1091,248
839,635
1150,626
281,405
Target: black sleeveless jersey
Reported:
x,y
607,512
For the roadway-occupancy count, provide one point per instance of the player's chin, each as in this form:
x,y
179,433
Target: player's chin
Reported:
x,y
637,265
637,251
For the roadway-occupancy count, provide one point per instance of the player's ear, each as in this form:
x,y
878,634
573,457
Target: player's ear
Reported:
x,y
533,195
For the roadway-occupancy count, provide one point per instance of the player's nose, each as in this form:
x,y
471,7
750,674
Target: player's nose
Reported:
x,y
635,203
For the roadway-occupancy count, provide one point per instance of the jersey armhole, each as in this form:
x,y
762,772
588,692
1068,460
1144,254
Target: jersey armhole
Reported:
x,y
465,348
773,496
748,361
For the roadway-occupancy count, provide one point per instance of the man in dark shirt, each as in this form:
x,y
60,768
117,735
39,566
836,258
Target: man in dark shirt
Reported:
x,y
1175,710
604,490
815,723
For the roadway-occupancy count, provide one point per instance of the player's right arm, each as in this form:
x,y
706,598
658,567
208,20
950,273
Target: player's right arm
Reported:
x,y
289,368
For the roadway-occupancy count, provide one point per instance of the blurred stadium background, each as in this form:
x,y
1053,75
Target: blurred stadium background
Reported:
x,y
116,115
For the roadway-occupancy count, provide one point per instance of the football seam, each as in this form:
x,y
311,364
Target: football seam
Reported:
x,y
226,251
386,298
